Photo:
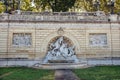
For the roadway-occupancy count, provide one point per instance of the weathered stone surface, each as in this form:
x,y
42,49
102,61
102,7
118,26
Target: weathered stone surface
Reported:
x,y
43,32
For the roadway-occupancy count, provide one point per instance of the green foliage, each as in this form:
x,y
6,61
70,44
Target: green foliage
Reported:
x,y
2,7
117,6
5,70
88,5
25,5
59,5
26,74
99,73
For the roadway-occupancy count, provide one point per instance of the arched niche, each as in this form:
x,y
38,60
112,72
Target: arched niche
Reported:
x,y
65,39
53,36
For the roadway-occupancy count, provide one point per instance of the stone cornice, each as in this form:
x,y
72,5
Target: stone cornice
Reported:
x,y
22,21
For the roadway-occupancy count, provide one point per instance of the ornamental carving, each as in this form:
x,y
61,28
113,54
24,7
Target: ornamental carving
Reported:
x,y
60,31
99,39
22,39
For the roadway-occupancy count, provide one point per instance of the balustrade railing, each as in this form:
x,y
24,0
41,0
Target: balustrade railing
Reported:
x,y
56,16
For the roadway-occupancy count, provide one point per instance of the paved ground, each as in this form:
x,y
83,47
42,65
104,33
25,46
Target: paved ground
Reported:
x,y
65,75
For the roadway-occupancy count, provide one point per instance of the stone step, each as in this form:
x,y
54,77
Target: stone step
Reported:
x,y
62,66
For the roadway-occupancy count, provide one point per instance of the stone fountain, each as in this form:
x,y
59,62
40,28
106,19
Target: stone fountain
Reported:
x,y
60,52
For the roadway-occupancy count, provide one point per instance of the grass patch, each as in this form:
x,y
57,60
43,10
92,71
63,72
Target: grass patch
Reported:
x,y
93,73
6,70
99,73
26,74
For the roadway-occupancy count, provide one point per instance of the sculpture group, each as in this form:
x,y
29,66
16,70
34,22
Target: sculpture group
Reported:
x,y
59,50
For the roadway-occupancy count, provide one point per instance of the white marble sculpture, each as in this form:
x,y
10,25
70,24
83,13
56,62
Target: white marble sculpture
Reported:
x,y
59,50
98,39
21,40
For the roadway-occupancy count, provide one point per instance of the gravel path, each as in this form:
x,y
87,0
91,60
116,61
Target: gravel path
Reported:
x,y
65,75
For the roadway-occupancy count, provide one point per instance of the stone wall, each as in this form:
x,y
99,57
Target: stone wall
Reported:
x,y
94,41
42,33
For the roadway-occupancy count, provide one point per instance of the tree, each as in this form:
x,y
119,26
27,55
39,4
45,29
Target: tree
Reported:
x,y
10,5
2,7
88,5
117,6
58,5
25,5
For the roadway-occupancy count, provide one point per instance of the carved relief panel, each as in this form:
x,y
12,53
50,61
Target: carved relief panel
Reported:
x,y
22,39
98,39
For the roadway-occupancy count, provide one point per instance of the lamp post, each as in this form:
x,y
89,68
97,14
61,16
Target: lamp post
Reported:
x,y
96,4
111,4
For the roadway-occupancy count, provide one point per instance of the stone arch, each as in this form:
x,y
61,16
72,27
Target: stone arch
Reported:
x,y
47,40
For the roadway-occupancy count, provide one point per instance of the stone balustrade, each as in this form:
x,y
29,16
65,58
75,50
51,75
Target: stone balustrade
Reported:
x,y
60,16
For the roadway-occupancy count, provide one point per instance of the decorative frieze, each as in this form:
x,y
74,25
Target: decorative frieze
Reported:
x,y
98,39
22,39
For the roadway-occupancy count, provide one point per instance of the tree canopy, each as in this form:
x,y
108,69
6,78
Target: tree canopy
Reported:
x,y
2,7
88,5
59,5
